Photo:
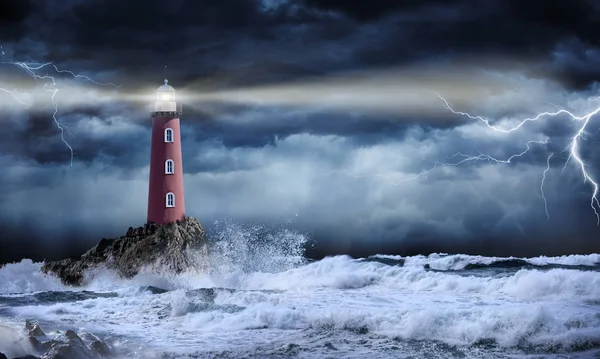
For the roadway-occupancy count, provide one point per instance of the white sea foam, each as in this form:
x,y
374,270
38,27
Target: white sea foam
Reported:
x,y
241,307
442,261
339,272
529,308
342,272
25,277
221,317
253,248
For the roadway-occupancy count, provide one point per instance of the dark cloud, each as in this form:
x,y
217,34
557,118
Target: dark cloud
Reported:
x,y
375,9
264,128
420,30
249,161
12,12
571,18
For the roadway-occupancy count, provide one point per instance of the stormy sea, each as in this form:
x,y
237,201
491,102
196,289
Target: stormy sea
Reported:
x,y
262,298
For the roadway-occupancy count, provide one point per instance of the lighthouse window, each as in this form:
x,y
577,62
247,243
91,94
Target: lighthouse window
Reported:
x,y
169,167
168,135
170,199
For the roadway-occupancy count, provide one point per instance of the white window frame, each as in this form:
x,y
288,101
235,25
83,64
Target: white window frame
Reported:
x,y
167,131
172,171
170,194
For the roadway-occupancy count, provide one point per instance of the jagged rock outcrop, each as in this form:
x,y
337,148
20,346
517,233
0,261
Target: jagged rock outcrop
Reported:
x,y
172,247
64,346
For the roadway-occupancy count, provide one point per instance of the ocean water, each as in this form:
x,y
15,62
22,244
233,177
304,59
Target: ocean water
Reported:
x,y
262,299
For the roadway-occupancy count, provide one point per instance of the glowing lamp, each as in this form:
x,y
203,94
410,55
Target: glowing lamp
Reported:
x,y
165,93
165,99
165,96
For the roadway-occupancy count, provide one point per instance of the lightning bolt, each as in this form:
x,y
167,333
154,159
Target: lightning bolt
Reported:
x,y
463,158
542,186
12,93
572,148
86,78
574,145
50,86
586,177
521,123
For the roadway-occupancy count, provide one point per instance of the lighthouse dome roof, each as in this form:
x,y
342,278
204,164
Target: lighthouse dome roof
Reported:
x,y
166,87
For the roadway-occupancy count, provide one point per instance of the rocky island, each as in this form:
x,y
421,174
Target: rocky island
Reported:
x,y
172,248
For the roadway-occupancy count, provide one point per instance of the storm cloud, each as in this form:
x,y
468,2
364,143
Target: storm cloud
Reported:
x,y
302,112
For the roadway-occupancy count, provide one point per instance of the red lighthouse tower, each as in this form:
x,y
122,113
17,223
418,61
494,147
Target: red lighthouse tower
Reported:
x,y
165,193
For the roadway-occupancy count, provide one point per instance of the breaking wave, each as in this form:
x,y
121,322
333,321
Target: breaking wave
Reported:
x,y
25,277
262,298
458,262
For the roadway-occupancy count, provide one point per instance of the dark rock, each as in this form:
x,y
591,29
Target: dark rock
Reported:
x,y
101,348
67,346
97,345
73,337
62,351
47,345
2,356
36,331
74,349
35,334
27,357
167,247
36,344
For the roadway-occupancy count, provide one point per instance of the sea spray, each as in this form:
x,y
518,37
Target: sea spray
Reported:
x,y
25,276
13,342
235,247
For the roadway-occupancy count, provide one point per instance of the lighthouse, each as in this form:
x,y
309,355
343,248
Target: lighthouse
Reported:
x,y
165,189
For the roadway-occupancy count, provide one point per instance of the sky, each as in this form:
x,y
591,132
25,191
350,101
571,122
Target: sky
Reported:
x,y
324,117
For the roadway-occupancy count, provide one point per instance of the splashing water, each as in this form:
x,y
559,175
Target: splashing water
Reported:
x,y
263,299
235,247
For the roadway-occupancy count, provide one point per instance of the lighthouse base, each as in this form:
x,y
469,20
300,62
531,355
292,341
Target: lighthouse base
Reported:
x,y
170,248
